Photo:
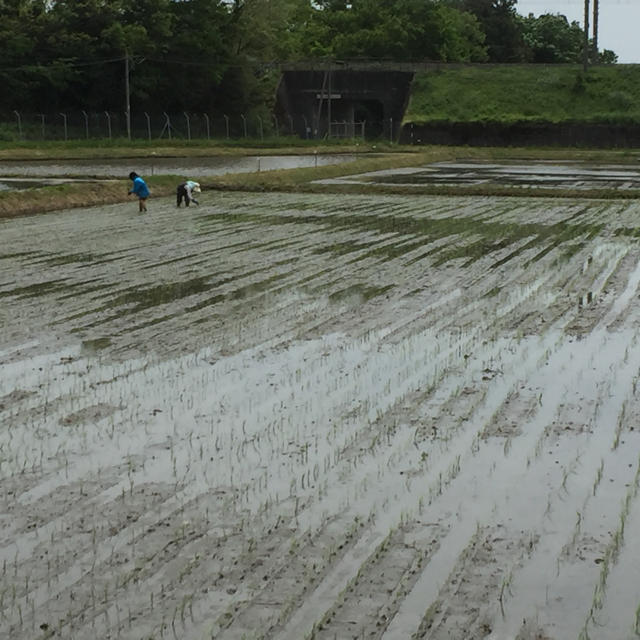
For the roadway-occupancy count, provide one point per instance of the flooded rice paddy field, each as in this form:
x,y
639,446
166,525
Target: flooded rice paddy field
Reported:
x,y
538,175
296,416
201,167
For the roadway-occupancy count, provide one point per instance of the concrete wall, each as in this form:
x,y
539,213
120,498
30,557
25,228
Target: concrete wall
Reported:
x,y
523,134
308,98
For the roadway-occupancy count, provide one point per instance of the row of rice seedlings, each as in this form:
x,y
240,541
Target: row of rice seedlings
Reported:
x,y
612,550
367,565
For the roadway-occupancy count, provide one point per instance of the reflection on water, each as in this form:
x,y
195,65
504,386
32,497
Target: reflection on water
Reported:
x,y
18,184
201,167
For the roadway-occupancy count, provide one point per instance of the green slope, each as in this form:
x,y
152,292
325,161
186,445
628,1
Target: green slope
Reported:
x,y
526,93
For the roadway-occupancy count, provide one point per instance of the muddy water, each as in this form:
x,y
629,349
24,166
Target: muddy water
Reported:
x,y
276,415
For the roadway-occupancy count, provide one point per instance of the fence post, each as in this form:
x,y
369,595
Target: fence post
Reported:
x,y
206,119
42,124
167,124
261,128
106,113
226,121
146,115
64,119
244,124
391,130
306,127
275,120
86,124
19,125
186,115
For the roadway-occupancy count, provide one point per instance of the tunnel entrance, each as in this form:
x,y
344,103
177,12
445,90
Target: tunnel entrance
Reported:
x,y
342,102
371,112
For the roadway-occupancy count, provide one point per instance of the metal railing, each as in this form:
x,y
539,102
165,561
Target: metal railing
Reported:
x,y
346,129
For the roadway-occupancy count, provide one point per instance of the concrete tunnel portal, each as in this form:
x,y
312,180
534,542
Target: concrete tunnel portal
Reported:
x,y
343,102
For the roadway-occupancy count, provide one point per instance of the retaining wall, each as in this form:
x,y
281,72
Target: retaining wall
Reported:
x,y
523,135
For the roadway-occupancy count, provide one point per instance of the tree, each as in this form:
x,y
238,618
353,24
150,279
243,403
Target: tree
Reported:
x,y
194,58
551,39
500,23
396,30
441,32
20,74
91,38
606,56
261,33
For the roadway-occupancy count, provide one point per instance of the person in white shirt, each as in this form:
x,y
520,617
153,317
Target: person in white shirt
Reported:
x,y
185,192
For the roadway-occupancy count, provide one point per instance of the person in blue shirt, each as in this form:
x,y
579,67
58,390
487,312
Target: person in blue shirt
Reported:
x,y
139,189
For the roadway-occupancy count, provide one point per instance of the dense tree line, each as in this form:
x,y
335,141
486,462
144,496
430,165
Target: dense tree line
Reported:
x,y
215,55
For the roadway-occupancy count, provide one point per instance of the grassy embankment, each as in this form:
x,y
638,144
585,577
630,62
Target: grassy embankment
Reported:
x,y
526,93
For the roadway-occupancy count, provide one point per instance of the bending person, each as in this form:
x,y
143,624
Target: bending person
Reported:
x,y
185,192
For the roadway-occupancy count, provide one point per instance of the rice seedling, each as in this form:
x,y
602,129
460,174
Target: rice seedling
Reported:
x,y
619,426
505,587
598,478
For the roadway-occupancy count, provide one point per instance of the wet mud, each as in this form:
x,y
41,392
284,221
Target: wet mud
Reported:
x,y
319,416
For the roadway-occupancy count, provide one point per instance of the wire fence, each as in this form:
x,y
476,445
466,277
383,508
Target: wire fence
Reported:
x,y
108,125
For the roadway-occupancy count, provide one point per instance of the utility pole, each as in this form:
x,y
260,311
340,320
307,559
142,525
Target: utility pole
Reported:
x,y
595,30
127,106
329,105
585,53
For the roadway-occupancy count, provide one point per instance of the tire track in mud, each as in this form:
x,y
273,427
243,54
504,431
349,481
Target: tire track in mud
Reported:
x,y
322,444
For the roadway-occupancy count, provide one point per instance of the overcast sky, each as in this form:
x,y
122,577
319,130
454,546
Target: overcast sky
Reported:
x,y
618,24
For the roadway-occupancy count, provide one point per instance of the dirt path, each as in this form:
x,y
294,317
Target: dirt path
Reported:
x,y
293,416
